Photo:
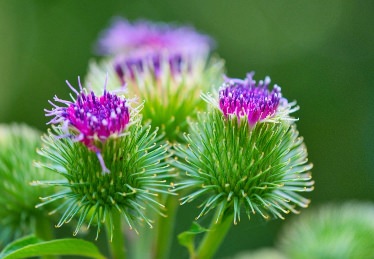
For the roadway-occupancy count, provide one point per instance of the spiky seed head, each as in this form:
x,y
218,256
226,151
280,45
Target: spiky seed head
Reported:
x,y
236,162
331,231
18,198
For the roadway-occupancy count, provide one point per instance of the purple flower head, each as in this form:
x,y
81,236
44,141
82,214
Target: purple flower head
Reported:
x,y
92,118
155,64
124,37
245,98
143,46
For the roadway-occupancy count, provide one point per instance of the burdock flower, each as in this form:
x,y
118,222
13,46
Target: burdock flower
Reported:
x,y
105,127
91,119
245,98
166,66
18,215
246,153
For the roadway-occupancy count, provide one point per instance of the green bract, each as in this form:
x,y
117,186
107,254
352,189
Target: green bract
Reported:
x,y
261,168
18,198
331,231
137,176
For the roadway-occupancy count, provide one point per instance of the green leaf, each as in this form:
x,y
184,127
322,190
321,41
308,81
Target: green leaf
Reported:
x,y
32,246
187,238
18,244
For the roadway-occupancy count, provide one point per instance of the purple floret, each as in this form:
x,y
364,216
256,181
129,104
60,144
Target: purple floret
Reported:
x,y
92,118
245,98
128,67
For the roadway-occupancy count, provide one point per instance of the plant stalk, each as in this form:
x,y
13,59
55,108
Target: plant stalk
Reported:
x,y
165,229
117,243
215,235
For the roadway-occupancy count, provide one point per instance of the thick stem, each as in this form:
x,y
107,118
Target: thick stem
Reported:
x,y
215,235
141,244
165,229
117,243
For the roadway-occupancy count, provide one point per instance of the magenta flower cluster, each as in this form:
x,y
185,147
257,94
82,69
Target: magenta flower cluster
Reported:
x,y
245,98
91,117
147,38
143,45
130,66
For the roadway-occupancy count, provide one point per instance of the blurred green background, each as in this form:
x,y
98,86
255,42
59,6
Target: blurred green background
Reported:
x,y
320,52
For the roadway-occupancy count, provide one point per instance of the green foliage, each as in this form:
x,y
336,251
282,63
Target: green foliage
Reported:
x,y
331,231
187,238
233,165
30,246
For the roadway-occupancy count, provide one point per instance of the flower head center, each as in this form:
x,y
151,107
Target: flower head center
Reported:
x,y
97,117
245,98
90,118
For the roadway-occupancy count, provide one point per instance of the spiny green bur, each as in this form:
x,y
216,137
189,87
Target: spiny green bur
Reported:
x,y
261,168
136,178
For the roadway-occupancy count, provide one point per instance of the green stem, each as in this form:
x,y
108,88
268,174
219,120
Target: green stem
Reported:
x,y
215,235
165,229
117,243
140,244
